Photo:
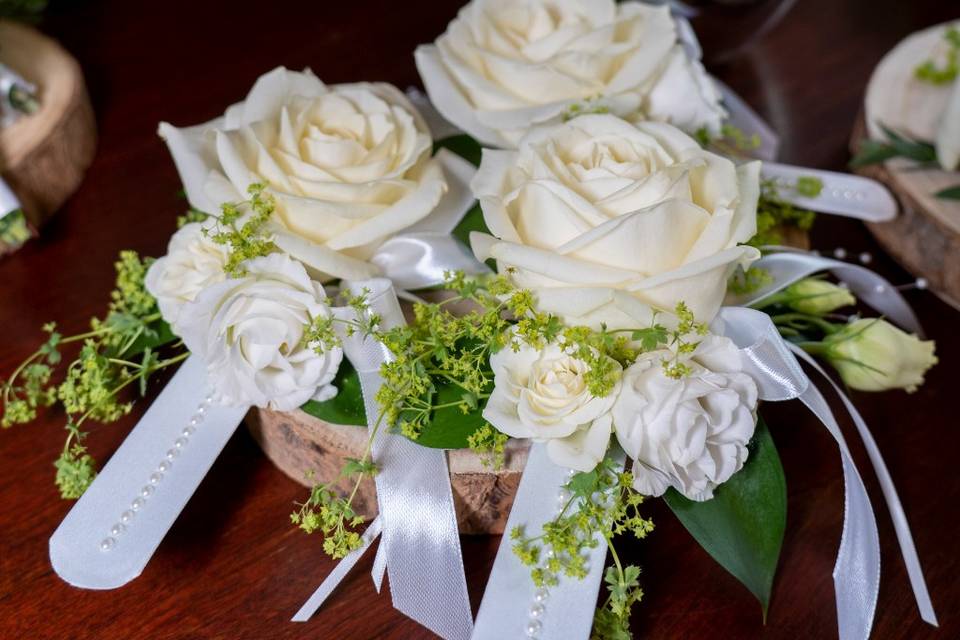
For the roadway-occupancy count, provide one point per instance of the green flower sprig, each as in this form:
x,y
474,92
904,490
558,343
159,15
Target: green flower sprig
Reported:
x,y
119,350
242,227
929,71
601,506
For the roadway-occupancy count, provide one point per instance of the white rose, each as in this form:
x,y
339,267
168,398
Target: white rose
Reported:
x,y
543,395
250,331
689,433
349,165
193,263
504,66
604,219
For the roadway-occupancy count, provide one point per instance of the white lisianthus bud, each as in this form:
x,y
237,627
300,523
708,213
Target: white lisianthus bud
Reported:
x,y
873,355
543,395
817,297
250,332
691,432
193,263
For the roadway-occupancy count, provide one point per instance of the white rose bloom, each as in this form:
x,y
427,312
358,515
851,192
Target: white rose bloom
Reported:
x,y
689,433
249,331
604,219
504,66
542,395
193,263
349,165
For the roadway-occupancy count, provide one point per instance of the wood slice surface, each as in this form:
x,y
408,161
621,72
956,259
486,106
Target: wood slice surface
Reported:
x,y
925,236
44,155
299,444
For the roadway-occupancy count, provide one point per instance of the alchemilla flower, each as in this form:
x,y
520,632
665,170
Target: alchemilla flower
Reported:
x,y
873,355
604,220
543,395
250,333
504,66
689,432
348,166
193,263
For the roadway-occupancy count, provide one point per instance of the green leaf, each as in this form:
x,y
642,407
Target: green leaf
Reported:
x,y
449,427
742,526
950,193
472,221
897,146
347,406
462,145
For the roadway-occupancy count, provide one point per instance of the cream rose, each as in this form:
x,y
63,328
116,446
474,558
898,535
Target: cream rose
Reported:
x,y
543,395
193,263
504,66
689,433
349,166
250,332
604,219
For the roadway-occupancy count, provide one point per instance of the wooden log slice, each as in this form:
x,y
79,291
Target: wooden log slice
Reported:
x,y
43,156
925,236
298,444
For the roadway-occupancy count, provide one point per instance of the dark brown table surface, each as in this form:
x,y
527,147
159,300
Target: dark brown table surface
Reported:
x,y
232,566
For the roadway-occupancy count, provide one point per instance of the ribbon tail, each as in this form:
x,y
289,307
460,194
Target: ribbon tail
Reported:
x,y
420,549
339,572
900,524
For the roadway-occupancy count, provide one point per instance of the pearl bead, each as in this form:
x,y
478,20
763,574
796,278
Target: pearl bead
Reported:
x,y
137,504
107,543
189,431
209,398
164,466
172,453
880,288
533,627
146,491
201,410
180,443
839,253
541,595
195,421
155,478
126,516
866,258
922,283
536,611
117,529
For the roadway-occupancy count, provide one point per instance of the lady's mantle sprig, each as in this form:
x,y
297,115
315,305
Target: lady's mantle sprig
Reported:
x,y
117,351
242,227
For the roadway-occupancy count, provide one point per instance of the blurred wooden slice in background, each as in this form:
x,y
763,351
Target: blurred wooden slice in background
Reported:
x,y
43,156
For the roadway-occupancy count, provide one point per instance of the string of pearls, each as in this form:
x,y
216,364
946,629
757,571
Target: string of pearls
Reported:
x,y
153,481
538,605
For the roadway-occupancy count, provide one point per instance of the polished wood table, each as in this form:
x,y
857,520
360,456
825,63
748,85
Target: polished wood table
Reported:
x,y
232,566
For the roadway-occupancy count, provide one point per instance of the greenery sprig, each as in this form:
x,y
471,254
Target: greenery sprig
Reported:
x,y
929,71
242,228
118,351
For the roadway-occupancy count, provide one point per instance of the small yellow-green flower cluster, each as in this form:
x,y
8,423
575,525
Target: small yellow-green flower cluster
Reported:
x,y
117,351
243,228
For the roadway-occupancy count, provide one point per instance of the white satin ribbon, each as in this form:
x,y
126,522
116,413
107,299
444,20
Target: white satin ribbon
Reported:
x,y
505,608
843,194
787,267
420,546
135,493
857,570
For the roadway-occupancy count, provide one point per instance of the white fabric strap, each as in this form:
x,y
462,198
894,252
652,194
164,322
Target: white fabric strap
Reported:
x,y
569,608
842,194
114,528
